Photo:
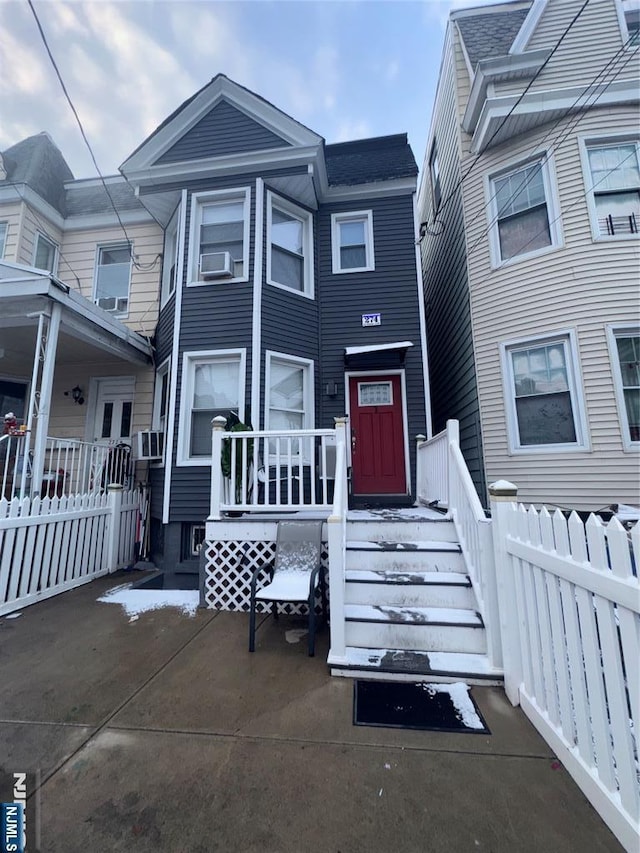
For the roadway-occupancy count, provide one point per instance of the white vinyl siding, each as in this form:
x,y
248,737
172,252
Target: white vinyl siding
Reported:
x,y
290,242
589,285
113,277
352,241
212,384
220,224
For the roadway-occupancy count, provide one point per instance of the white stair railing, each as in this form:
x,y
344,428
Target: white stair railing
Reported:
x,y
337,527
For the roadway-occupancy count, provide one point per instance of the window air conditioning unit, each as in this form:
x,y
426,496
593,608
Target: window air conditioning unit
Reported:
x,y
110,303
216,265
150,445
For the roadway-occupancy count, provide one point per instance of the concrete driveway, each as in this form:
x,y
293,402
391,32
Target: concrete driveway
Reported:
x,y
165,734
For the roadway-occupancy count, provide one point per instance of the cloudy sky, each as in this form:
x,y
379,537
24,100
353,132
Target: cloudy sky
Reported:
x,y
346,68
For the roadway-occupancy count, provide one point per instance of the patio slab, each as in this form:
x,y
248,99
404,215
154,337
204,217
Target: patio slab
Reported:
x,y
72,659
280,692
151,791
188,742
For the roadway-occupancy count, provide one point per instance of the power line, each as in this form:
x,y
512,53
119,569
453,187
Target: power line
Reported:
x,y
87,143
461,180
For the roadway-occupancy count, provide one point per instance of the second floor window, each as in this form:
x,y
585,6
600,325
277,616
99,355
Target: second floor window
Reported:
x,y
219,242
352,241
3,237
290,258
46,254
615,188
521,210
113,275
626,368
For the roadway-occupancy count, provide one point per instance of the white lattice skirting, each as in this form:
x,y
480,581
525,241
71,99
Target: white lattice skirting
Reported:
x,y
227,577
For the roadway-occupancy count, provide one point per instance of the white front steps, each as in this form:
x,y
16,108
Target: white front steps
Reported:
x,y
410,609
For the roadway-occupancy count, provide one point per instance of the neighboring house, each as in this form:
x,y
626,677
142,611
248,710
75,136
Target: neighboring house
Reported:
x,y
530,203
109,262
290,295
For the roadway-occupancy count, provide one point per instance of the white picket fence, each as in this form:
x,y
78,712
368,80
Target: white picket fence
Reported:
x,y
570,609
53,544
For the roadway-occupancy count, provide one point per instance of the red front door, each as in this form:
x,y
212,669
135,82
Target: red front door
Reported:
x,y
377,435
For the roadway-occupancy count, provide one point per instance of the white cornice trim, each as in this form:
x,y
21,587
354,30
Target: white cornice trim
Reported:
x,y
220,89
24,193
548,101
228,164
89,221
487,70
528,27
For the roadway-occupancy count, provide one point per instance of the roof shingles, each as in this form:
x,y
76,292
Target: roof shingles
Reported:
x,y
364,161
490,34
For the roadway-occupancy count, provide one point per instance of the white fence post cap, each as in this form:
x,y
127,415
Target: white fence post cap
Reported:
x,y
503,489
115,487
421,437
341,420
219,422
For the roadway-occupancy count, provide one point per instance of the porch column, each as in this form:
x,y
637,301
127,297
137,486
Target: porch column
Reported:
x,y
41,388
218,425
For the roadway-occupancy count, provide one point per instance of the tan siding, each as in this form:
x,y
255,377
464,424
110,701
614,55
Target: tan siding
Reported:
x,y
583,286
78,268
34,222
10,213
589,45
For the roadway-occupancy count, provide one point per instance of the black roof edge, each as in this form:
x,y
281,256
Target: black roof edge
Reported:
x,y
392,141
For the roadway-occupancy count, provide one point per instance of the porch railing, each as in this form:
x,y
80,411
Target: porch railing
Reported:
x,y
337,534
443,479
70,467
271,471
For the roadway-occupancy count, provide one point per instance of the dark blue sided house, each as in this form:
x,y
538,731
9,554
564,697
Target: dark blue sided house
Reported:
x,y
291,296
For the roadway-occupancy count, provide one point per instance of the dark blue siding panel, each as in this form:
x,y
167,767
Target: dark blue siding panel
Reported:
x,y
391,289
224,130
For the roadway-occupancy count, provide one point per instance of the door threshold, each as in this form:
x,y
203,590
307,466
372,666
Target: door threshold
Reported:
x,y
379,501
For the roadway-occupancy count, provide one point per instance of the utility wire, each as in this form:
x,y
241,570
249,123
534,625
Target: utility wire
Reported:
x,y
466,174
87,143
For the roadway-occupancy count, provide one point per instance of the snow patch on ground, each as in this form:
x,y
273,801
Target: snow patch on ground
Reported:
x,y
295,635
137,601
459,693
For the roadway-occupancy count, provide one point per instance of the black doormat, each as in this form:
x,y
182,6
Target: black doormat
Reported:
x,y
404,705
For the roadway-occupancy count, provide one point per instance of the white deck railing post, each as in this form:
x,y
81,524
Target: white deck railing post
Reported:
x,y
115,491
336,527
453,437
502,495
218,424
420,471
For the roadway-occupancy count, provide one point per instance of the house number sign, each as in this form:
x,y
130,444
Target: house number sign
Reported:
x,y
371,319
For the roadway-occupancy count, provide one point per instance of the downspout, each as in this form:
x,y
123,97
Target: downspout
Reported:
x,y
422,319
50,341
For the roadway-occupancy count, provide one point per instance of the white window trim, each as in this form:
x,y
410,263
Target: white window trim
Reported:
x,y
197,201
308,390
4,226
619,330
111,245
568,338
586,142
306,217
336,219
171,239
56,250
192,357
553,210
163,369
622,6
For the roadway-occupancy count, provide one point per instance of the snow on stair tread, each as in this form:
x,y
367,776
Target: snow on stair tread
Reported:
x,y
463,663
400,577
412,615
427,545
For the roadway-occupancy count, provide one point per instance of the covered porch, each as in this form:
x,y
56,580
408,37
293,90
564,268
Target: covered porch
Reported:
x,y
77,381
